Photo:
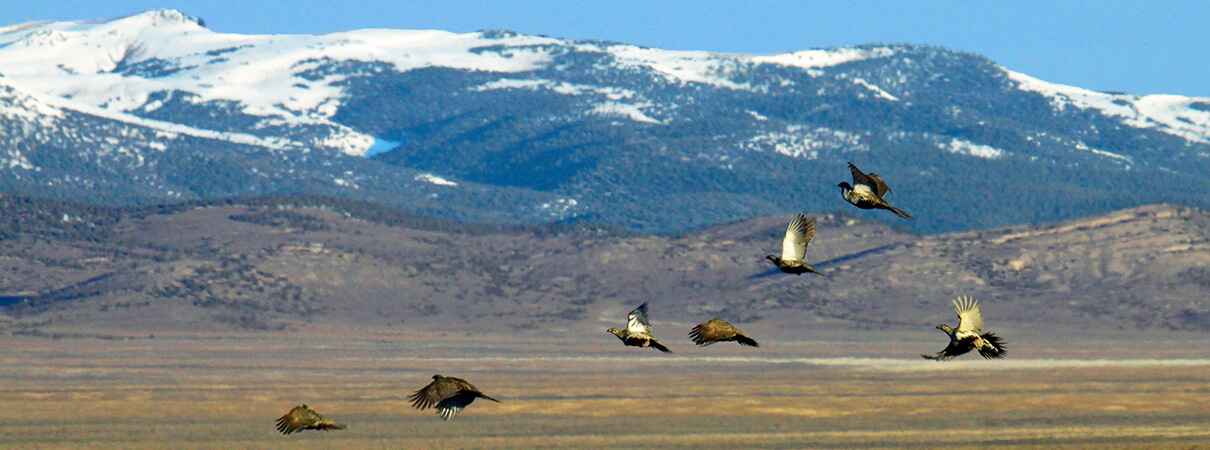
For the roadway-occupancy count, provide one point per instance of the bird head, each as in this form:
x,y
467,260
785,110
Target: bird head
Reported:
x,y
437,377
845,186
945,328
773,258
615,331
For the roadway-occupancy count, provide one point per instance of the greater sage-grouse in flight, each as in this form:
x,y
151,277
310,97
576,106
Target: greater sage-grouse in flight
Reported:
x,y
966,336
718,330
867,192
450,395
638,331
302,417
794,246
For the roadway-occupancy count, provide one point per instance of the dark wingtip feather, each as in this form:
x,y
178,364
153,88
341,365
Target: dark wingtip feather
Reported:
x,y
695,335
745,340
419,400
999,347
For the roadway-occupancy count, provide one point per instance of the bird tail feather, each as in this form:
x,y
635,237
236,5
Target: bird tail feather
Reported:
x,y
995,347
900,213
745,340
658,346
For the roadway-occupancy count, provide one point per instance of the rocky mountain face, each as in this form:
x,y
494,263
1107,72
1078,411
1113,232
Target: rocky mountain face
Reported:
x,y
291,263
506,128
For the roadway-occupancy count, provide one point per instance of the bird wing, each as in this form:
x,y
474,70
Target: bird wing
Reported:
x,y
434,393
712,331
994,346
798,235
297,419
880,188
860,177
637,320
450,407
970,316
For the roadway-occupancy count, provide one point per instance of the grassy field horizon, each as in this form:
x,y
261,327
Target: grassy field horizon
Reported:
x,y
225,390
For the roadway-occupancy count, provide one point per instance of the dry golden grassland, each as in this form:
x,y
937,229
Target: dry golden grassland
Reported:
x,y
225,391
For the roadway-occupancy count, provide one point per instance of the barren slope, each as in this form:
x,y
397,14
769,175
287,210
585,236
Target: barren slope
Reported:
x,y
233,266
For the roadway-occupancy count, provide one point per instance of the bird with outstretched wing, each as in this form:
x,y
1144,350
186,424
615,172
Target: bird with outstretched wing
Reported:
x,y
965,337
638,331
450,395
302,417
799,233
718,330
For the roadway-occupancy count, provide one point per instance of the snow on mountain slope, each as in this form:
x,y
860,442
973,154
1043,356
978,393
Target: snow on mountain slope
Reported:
x,y
120,65
1186,117
682,66
91,63
473,125
820,58
43,106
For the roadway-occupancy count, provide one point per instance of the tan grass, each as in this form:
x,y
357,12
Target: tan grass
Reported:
x,y
225,393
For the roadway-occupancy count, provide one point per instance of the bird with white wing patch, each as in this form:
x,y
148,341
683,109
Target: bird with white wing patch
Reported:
x,y
794,246
638,331
965,337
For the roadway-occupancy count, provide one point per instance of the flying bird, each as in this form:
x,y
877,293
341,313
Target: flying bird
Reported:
x,y
638,331
867,191
794,246
966,336
302,417
718,330
451,395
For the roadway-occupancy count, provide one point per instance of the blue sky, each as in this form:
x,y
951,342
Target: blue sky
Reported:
x,y
1140,47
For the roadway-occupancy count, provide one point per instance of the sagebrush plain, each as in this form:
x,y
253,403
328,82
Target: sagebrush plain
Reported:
x,y
841,391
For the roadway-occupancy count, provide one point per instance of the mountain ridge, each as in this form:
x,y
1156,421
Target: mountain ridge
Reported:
x,y
496,126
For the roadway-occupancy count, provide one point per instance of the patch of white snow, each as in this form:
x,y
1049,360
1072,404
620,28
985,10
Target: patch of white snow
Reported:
x,y
1172,114
964,147
430,178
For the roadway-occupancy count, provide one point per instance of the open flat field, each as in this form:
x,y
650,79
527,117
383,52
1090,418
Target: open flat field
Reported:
x,y
224,391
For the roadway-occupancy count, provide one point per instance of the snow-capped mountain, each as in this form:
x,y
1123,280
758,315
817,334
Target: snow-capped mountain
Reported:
x,y
499,126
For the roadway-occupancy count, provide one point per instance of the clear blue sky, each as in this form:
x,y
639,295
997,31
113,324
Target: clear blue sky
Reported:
x,y
1142,47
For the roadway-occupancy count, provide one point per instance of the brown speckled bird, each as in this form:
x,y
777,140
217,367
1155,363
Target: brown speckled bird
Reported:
x,y
867,191
718,330
638,331
450,395
794,246
302,417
